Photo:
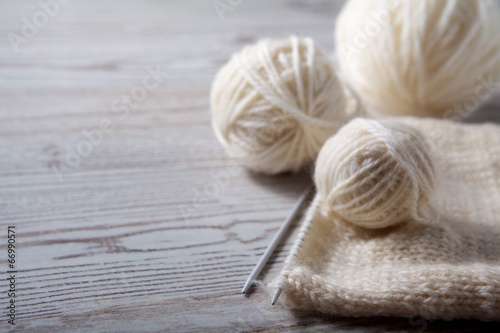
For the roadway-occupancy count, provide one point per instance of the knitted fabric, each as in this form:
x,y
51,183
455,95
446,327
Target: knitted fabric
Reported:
x,y
445,267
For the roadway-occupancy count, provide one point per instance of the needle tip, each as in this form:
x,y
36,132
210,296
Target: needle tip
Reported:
x,y
246,286
277,294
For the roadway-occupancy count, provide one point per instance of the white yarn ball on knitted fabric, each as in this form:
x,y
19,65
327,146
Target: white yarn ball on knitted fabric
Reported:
x,y
376,174
275,104
421,58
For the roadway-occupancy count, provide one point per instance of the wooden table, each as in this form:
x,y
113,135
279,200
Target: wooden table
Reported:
x,y
128,214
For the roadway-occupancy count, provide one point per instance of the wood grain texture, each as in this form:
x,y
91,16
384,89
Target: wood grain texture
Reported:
x,y
122,240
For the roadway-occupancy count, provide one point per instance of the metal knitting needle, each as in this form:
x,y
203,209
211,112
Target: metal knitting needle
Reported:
x,y
277,293
275,241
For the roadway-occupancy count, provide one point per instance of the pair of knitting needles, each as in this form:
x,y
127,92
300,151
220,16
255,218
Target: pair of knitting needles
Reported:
x,y
272,246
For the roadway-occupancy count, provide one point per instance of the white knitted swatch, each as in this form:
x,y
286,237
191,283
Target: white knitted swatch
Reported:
x,y
444,268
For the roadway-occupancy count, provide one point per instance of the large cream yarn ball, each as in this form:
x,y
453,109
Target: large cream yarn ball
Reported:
x,y
275,104
420,57
376,174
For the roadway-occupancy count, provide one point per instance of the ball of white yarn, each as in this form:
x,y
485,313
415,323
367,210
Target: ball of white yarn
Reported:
x,y
422,58
275,104
375,174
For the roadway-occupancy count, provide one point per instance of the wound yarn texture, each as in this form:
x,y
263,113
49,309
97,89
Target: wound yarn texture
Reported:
x,y
275,104
421,58
436,266
376,174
